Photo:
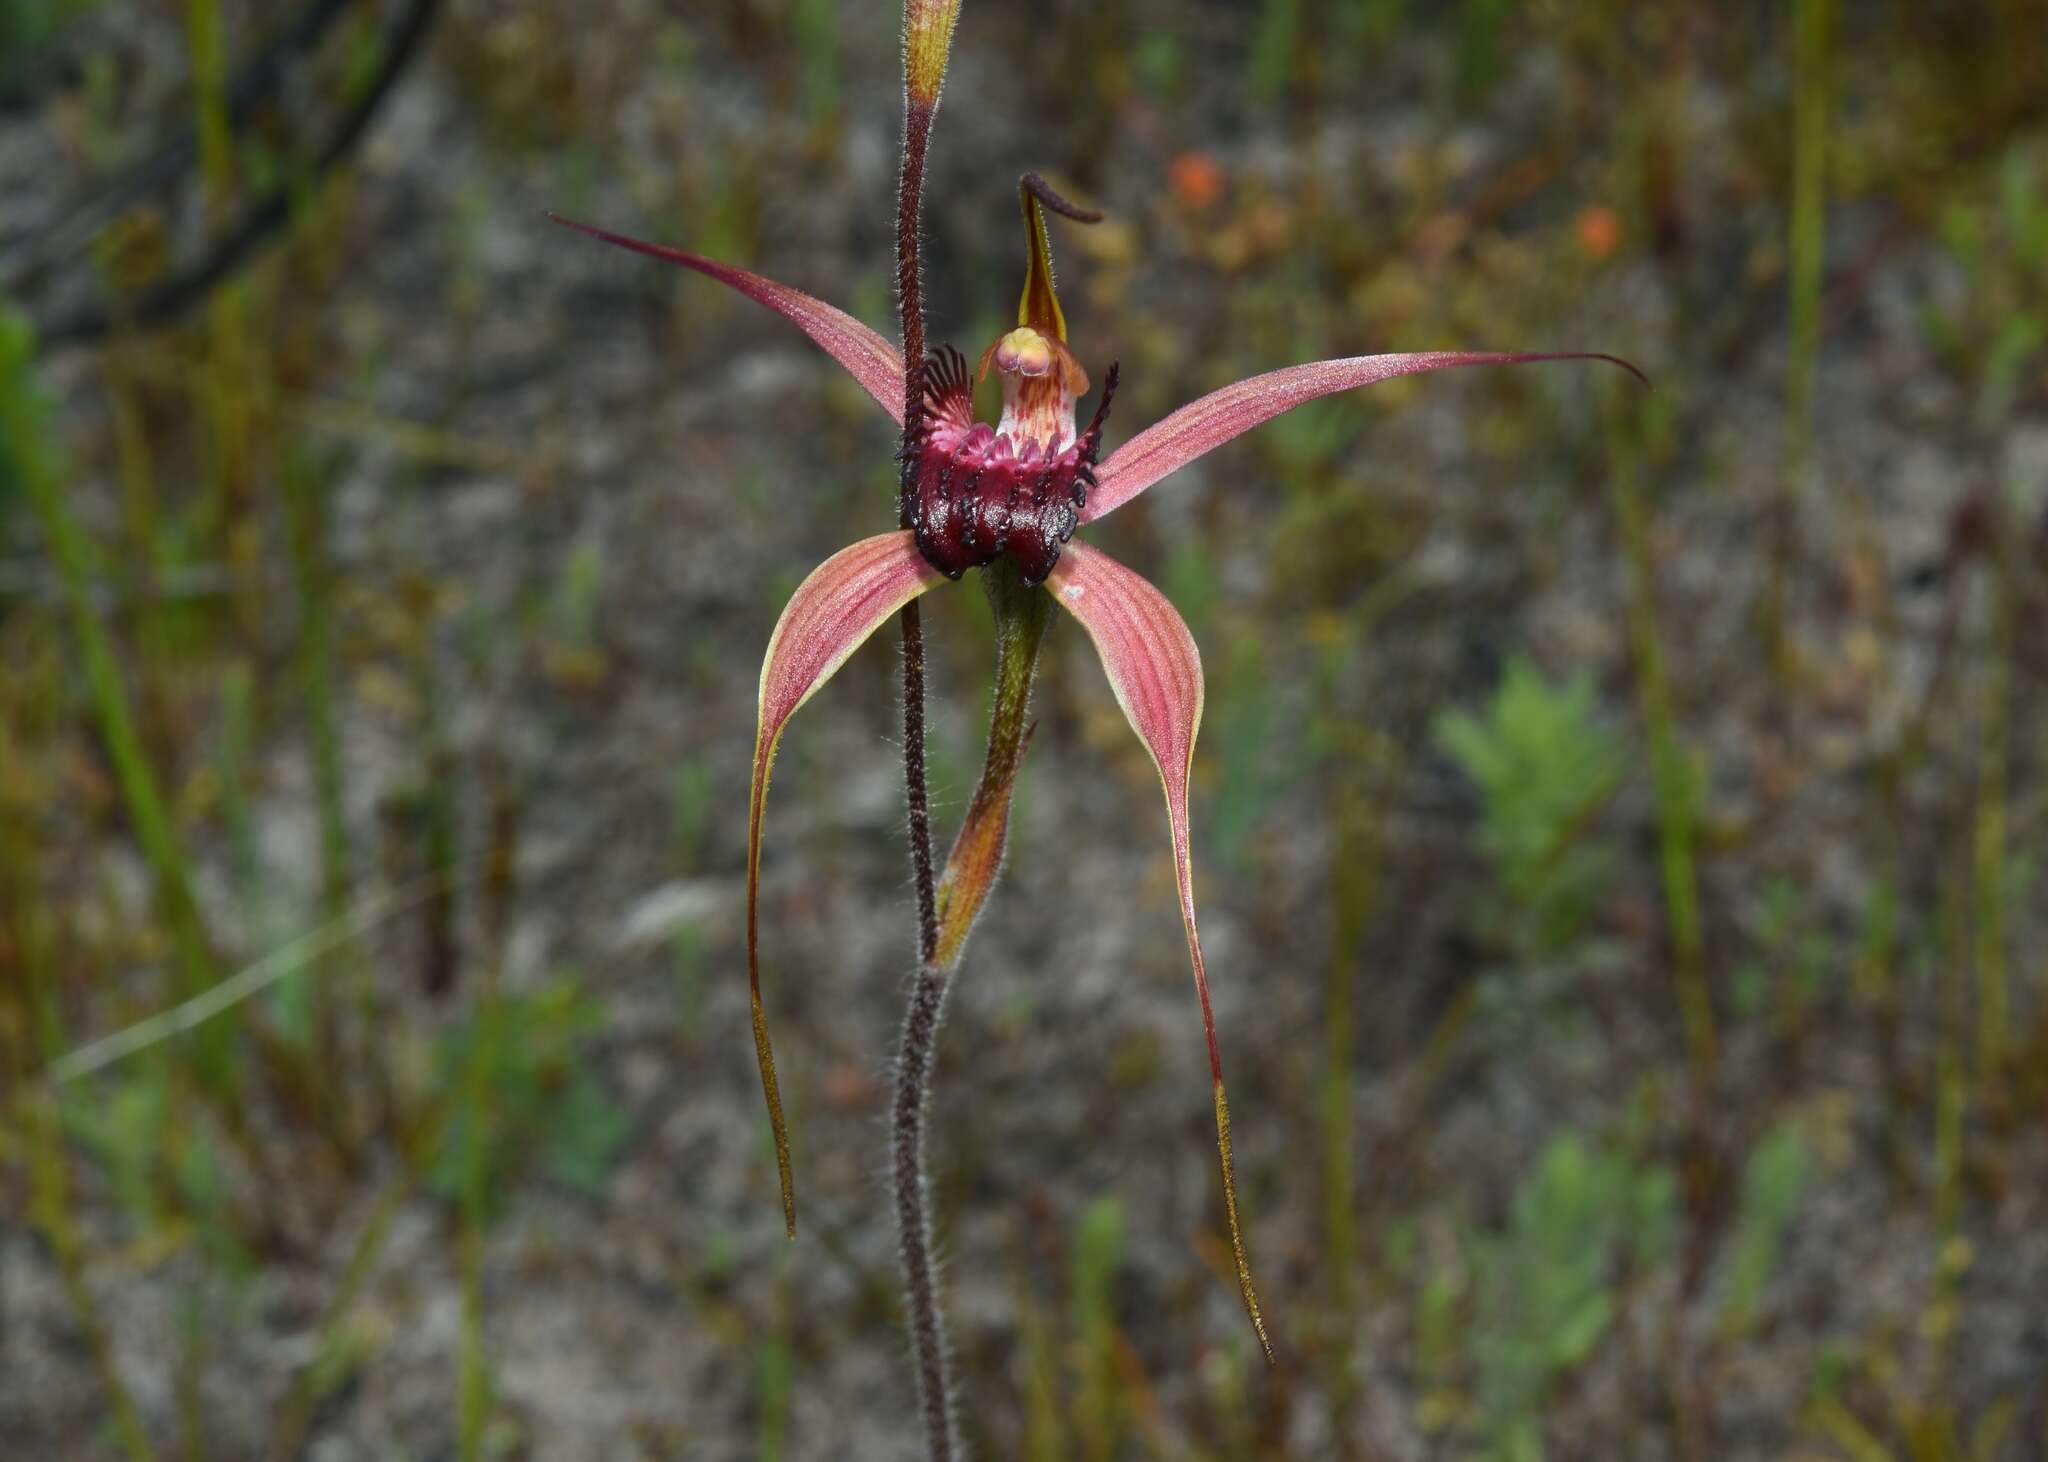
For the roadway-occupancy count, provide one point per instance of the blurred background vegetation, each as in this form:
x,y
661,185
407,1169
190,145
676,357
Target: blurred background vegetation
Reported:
x,y
1619,821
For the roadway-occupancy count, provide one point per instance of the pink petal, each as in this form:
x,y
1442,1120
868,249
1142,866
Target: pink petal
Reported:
x,y
1156,672
847,598
874,362
1214,419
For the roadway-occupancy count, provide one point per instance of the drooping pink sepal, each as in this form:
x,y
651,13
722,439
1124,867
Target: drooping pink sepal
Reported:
x,y
1210,421
1156,672
873,361
847,598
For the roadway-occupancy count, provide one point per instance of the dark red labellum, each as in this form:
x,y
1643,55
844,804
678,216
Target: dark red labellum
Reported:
x,y
971,495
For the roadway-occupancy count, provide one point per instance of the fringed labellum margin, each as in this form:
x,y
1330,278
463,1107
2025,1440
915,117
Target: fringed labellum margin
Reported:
x,y
974,493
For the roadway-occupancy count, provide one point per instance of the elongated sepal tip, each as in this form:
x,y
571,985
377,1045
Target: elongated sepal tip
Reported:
x,y
1206,423
846,599
1237,1249
765,1054
1641,379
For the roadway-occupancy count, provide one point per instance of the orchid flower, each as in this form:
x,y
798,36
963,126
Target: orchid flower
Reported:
x,y
1011,495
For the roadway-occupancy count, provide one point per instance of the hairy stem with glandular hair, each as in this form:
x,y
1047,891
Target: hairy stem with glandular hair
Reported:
x,y
913,1208
917,131
928,994
915,791
1021,615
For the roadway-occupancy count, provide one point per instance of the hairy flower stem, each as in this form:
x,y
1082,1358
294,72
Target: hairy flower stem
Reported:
x,y
913,1208
917,136
1021,616
928,993
916,792
917,131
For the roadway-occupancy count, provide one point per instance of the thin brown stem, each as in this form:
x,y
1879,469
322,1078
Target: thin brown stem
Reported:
x,y
914,786
913,1209
917,131
928,993
917,135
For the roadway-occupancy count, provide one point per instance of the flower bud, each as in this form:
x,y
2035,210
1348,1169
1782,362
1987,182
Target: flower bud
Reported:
x,y
927,43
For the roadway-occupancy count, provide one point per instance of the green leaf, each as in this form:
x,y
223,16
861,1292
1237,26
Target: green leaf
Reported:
x,y
585,1132
1543,765
1773,1183
541,1112
1547,1296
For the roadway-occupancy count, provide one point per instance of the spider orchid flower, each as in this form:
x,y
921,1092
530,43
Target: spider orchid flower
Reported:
x,y
974,494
